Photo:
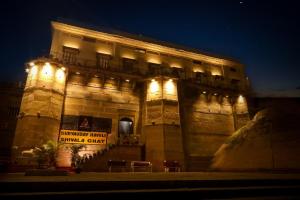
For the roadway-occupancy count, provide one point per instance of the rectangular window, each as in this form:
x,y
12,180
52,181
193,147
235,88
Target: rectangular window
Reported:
x,y
154,69
103,60
128,64
70,55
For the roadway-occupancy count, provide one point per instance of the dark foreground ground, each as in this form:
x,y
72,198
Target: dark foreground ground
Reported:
x,y
184,185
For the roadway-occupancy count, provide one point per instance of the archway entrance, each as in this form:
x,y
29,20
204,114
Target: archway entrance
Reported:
x,y
125,130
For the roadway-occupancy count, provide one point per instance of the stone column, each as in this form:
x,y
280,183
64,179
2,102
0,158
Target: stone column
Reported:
x,y
41,107
162,125
240,111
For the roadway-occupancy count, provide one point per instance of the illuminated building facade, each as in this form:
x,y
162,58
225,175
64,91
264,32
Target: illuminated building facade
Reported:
x,y
177,103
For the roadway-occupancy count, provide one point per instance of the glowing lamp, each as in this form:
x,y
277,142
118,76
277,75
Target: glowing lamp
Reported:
x,y
31,64
33,71
241,99
170,86
77,73
27,70
127,80
60,75
47,70
63,68
154,87
204,92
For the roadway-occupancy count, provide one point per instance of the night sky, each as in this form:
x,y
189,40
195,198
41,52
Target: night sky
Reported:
x,y
263,35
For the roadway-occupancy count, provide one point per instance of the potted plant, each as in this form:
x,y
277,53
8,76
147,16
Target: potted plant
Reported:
x,y
75,157
45,155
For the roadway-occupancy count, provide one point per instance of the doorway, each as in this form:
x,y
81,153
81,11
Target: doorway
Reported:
x,y
125,130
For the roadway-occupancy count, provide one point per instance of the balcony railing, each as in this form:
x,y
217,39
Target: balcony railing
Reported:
x,y
219,83
202,79
93,64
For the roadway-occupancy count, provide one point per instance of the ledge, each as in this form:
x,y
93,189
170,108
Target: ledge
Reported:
x,y
45,172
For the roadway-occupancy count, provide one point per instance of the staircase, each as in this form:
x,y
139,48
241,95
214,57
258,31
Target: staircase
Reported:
x,y
98,162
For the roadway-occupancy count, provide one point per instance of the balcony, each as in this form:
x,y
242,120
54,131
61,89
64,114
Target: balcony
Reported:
x,y
97,66
219,82
165,70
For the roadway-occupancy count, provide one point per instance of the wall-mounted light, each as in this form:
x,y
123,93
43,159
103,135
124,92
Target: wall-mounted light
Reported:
x,y
215,94
33,71
127,80
60,75
154,87
204,92
241,99
47,70
170,86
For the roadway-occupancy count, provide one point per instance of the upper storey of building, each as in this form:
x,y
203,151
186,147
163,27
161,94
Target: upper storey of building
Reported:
x,y
86,50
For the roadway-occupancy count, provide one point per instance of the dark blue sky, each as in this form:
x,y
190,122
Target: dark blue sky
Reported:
x,y
263,35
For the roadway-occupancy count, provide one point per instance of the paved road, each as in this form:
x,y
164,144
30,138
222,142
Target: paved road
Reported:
x,y
203,185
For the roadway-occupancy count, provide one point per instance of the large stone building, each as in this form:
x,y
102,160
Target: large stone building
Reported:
x,y
177,103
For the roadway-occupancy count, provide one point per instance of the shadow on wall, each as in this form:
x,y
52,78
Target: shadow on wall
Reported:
x,y
270,141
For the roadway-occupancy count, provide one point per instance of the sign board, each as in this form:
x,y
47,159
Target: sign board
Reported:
x,y
86,123
82,137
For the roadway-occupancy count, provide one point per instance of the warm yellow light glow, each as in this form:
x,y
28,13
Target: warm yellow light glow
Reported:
x,y
33,71
60,75
216,73
31,64
127,80
63,68
112,78
198,70
241,99
71,45
215,94
204,92
227,96
77,73
47,71
154,87
170,88
105,51
128,56
154,61
96,76
175,65
27,70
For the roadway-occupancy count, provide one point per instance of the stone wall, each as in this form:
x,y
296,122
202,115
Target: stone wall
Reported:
x,y
88,96
207,121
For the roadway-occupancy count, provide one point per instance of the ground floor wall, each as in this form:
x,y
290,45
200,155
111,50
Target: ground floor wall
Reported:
x,y
100,103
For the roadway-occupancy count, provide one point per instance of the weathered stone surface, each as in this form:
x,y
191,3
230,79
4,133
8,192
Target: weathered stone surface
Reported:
x,y
269,141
